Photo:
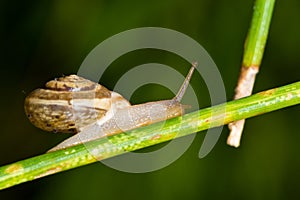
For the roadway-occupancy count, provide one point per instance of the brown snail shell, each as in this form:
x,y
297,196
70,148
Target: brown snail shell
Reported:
x,y
69,103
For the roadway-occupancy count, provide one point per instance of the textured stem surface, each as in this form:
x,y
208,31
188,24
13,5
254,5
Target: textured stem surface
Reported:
x,y
103,148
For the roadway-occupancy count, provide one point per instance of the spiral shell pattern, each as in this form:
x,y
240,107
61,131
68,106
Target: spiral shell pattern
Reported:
x,y
68,104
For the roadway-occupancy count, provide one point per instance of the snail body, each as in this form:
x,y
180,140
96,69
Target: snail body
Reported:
x,y
72,104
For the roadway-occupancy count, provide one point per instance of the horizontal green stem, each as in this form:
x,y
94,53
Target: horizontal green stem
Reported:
x,y
103,148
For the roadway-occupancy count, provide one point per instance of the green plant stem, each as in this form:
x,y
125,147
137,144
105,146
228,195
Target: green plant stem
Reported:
x,y
103,148
253,53
258,32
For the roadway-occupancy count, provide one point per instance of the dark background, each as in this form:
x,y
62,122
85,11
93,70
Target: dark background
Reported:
x,y
43,39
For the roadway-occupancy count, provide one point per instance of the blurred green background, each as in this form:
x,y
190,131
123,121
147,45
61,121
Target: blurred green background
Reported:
x,y
46,39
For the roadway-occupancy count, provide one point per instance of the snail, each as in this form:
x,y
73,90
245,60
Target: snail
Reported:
x,y
72,104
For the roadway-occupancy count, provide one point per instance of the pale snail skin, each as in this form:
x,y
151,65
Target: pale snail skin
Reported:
x,y
72,104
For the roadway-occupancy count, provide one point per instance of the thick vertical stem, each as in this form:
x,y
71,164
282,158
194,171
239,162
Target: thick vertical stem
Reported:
x,y
253,53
